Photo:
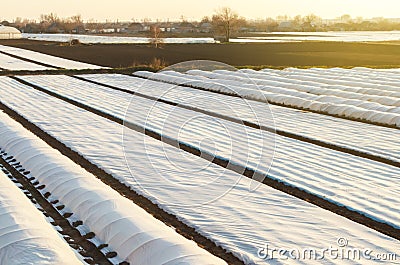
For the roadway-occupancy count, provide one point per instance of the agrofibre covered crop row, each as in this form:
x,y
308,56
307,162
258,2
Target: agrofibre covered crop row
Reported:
x,y
358,109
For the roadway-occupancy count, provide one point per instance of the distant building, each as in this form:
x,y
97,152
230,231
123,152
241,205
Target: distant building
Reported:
x,y
31,28
135,27
206,27
107,30
55,27
184,27
80,29
166,27
9,33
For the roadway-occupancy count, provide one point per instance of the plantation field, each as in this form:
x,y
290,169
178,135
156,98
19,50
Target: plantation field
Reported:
x,y
196,166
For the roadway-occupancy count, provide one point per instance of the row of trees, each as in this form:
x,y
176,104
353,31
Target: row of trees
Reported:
x,y
228,21
50,23
70,24
224,23
344,23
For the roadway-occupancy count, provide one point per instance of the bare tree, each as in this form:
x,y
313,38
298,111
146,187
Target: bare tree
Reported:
x,y
49,18
311,22
77,19
77,23
297,21
225,21
155,36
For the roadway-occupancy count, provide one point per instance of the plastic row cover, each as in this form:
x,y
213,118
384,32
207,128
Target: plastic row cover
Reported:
x,y
353,135
387,84
48,59
379,103
317,85
350,108
11,63
133,233
25,235
377,78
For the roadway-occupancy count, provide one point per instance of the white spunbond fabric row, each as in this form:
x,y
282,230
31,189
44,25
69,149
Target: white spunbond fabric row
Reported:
x,y
373,79
248,76
324,172
389,72
332,80
347,108
367,138
13,64
92,39
343,80
129,230
210,198
282,84
311,92
354,36
241,221
25,235
253,151
48,59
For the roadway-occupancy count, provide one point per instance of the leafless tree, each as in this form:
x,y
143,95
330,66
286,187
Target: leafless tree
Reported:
x,y
155,36
311,21
77,20
225,21
297,21
49,18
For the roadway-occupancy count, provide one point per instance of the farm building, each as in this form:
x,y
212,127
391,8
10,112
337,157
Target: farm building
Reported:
x,y
9,33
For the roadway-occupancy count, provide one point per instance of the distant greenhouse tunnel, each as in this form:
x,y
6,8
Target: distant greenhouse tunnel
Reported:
x,y
9,33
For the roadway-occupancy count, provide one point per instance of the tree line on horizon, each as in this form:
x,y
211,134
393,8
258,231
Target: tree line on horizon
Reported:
x,y
223,24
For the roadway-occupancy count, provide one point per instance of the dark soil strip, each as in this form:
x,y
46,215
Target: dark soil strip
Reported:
x,y
127,71
29,60
272,103
97,257
276,184
169,219
299,54
256,126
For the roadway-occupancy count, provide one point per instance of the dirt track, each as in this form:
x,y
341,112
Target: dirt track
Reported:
x,y
268,54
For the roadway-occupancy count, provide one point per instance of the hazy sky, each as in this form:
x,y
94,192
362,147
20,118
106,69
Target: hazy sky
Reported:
x,y
174,9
